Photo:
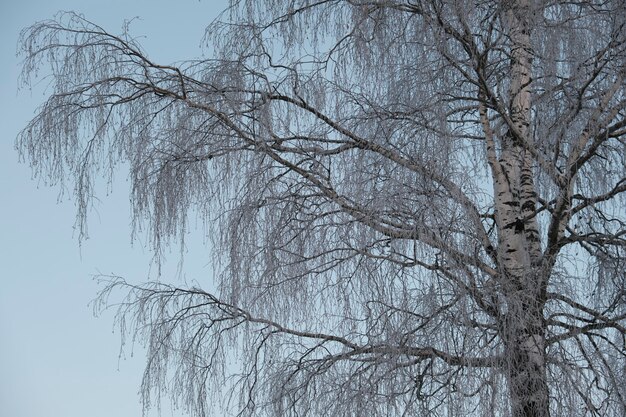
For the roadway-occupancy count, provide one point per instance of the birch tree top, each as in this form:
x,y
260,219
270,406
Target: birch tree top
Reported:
x,y
414,207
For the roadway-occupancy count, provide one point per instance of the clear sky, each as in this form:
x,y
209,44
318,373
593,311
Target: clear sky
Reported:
x,y
56,359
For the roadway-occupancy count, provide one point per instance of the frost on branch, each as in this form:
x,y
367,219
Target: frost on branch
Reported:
x,y
414,207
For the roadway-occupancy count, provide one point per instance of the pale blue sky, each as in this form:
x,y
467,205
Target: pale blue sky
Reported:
x,y
56,359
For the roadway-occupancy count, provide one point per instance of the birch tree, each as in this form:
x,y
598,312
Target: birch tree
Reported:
x,y
413,207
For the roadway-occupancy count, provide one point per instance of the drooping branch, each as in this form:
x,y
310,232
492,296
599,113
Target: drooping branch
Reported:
x,y
391,191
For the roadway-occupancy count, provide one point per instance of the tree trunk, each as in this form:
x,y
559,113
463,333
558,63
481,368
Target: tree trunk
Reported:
x,y
526,365
523,329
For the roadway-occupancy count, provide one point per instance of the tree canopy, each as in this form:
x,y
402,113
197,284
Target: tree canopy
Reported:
x,y
414,207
